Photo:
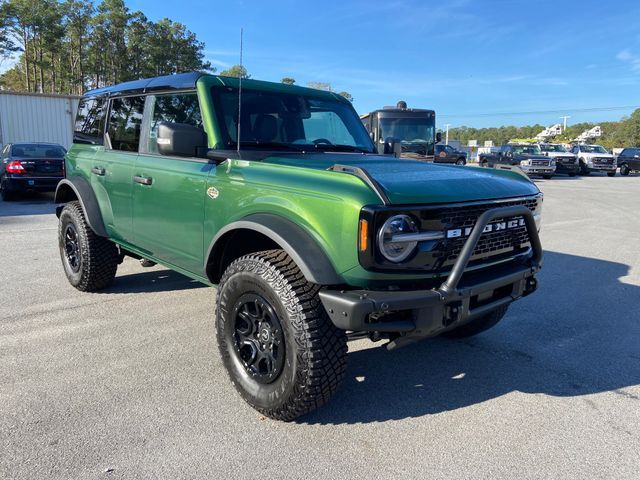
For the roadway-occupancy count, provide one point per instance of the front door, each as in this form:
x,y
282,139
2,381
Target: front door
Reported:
x,y
169,192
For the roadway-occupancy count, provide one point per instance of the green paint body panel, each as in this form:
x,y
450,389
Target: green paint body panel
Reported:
x,y
173,221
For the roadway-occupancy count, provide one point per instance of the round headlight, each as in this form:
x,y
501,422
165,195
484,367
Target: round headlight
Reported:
x,y
390,242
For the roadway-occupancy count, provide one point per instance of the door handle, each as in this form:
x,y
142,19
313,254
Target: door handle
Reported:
x,y
142,180
98,171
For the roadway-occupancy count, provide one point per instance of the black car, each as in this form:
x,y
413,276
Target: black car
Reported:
x,y
629,161
30,167
526,156
448,154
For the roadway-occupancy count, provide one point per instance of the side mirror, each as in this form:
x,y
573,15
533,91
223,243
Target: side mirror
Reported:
x,y
181,140
392,146
438,137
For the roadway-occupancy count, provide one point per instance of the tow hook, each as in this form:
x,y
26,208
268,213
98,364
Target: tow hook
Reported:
x,y
452,314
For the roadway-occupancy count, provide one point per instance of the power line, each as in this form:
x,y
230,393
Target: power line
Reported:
x,y
539,112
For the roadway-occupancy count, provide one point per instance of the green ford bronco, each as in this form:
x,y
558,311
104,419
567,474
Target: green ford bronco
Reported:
x,y
276,194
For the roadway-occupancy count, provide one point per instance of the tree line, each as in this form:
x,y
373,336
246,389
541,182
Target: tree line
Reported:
x,y
619,134
72,46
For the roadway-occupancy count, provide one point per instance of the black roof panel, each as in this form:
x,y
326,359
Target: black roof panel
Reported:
x,y
178,81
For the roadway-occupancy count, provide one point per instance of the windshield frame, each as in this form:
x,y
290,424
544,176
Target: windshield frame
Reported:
x,y
341,109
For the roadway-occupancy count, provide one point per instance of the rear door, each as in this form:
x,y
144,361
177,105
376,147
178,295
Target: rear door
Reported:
x,y
117,162
169,197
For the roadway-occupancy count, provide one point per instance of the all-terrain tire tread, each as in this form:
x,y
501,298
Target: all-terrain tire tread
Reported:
x,y
100,258
322,347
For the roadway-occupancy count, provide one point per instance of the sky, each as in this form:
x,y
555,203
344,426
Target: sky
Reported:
x,y
463,58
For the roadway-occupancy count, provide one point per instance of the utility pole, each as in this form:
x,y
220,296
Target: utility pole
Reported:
x,y
446,135
564,128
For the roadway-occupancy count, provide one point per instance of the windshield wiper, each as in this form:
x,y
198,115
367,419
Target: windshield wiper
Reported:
x,y
338,147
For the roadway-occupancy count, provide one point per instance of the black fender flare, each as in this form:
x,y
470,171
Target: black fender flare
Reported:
x,y
88,201
309,256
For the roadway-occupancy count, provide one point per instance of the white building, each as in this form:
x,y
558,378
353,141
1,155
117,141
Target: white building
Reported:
x,y
37,117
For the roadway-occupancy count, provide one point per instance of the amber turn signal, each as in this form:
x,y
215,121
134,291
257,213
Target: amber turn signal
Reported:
x,y
363,235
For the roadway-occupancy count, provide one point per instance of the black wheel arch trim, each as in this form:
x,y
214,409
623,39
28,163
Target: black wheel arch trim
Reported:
x,y
88,201
305,251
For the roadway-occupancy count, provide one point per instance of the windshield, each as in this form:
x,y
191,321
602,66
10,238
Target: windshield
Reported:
x,y
415,134
526,149
552,148
37,150
592,149
289,121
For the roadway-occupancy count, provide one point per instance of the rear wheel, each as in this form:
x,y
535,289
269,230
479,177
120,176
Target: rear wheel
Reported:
x,y
282,352
478,325
90,261
624,169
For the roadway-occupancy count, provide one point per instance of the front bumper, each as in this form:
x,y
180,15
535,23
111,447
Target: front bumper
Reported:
x,y
567,167
25,183
417,314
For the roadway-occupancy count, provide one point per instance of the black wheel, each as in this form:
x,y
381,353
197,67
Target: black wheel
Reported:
x,y
584,170
572,174
624,169
547,177
281,350
611,174
484,164
461,161
478,325
90,262
147,263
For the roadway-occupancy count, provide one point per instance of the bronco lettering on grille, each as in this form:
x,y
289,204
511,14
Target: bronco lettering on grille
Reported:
x,y
492,227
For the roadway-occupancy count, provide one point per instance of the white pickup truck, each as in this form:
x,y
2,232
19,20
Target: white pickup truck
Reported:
x,y
595,158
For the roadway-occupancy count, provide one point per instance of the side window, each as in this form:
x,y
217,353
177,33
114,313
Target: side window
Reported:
x,y
174,108
89,126
125,123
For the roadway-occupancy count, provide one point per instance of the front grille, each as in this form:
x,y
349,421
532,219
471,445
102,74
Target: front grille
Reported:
x,y
491,244
540,163
603,161
566,160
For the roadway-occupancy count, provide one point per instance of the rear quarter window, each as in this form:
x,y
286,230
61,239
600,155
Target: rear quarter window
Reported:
x,y
89,126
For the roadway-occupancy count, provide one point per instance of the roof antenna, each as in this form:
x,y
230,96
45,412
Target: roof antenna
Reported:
x,y
239,94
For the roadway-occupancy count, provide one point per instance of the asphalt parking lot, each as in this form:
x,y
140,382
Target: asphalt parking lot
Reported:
x,y
128,383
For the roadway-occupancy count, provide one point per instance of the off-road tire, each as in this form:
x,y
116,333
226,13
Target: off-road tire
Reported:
x,y
478,325
624,170
98,257
611,174
315,350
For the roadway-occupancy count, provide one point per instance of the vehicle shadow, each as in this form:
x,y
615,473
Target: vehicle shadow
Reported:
x,y
28,204
578,335
152,281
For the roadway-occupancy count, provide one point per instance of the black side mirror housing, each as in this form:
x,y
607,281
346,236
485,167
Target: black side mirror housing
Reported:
x,y
438,137
392,146
181,140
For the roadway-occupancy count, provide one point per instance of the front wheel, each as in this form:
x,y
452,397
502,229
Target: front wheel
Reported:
x,y
584,169
611,174
461,161
547,177
624,170
281,351
478,325
90,262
